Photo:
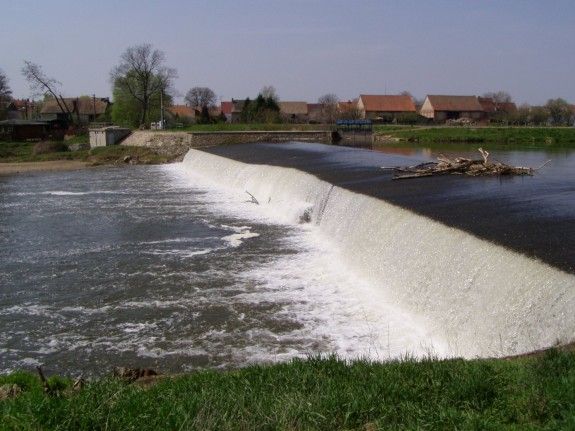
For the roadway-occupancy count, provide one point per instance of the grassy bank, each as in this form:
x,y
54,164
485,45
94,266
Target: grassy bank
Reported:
x,y
564,136
316,394
20,152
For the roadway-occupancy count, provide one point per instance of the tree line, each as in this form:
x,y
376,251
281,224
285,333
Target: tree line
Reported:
x,y
142,84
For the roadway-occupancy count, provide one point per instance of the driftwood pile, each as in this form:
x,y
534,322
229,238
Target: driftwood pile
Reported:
x,y
461,166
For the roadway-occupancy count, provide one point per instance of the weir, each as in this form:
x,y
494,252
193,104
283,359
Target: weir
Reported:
x,y
478,297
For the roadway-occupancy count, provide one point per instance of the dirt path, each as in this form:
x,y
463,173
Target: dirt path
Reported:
x,y
54,165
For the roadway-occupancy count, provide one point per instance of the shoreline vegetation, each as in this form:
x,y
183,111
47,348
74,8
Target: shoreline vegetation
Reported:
x,y
525,392
19,157
23,157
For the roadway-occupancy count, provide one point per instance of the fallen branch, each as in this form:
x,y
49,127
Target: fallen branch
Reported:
x,y
253,200
461,166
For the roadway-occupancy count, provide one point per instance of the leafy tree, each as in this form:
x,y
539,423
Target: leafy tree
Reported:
x,y
260,110
559,112
522,116
538,116
127,111
329,107
201,97
142,77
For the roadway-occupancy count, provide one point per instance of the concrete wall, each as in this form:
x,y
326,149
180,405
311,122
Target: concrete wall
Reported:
x,y
178,143
107,136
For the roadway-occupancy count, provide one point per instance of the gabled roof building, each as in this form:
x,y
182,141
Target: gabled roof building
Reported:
x,y
442,108
385,107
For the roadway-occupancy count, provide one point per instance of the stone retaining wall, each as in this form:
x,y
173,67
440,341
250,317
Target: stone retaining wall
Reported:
x,y
178,143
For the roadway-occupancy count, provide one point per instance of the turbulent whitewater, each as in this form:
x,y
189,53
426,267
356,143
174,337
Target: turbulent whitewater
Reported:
x,y
463,296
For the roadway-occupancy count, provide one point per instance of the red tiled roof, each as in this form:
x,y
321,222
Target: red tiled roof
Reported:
x,y
227,107
508,107
345,106
455,103
381,103
487,103
182,111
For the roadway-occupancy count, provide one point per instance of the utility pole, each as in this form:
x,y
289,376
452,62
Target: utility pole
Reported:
x,y
94,104
162,109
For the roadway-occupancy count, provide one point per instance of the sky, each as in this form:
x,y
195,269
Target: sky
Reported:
x,y
304,48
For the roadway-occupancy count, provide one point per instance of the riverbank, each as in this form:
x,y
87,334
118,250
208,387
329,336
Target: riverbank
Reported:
x,y
525,137
18,157
321,394
47,166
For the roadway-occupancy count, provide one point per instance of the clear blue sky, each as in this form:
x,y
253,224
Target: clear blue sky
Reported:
x,y
305,48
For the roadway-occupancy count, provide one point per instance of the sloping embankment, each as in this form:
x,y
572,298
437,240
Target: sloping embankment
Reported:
x,y
178,143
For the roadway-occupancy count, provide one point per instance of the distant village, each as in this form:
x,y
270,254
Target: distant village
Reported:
x,y
385,109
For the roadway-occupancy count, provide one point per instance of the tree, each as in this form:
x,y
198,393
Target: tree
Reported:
x,y
201,97
329,107
260,110
268,92
559,112
40,84
126,110
538,115
499,98
5,92
142,76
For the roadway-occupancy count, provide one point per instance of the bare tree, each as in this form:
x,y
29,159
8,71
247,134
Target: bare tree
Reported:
x,y
40,84
559,111
329,107
269,92
143,75
499,98
5,92
201,97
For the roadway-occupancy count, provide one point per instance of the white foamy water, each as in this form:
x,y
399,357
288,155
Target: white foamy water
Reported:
x,y
381,281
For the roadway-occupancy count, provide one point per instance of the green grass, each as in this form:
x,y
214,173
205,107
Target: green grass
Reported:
x,y
318,394
548,136
16,152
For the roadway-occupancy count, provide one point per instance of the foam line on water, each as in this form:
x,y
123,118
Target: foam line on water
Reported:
x,y
480,298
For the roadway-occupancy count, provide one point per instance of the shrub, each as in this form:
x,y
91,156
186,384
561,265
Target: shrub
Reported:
x,y
46,147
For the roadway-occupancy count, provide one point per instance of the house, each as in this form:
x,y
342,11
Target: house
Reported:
x,y
294,112
237,108
22,109
181,114
441,108
315,113
83,109
384,107
23,130
492,109
349,110
488,104
226,109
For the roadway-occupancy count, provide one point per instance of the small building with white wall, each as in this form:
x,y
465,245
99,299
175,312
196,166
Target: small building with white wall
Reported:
x,y
107,136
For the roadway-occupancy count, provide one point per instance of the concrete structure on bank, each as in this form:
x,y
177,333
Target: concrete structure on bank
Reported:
x,y
178,143
107,136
